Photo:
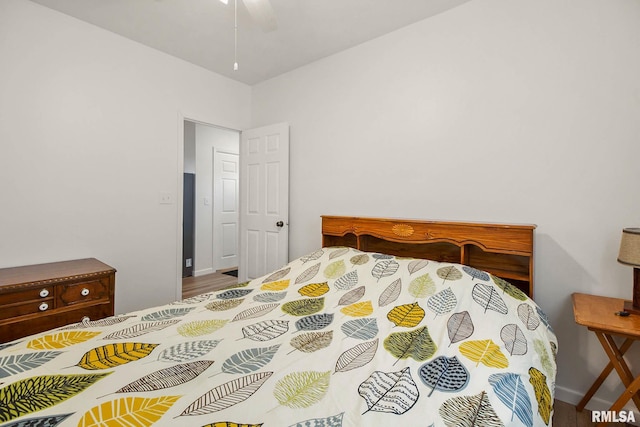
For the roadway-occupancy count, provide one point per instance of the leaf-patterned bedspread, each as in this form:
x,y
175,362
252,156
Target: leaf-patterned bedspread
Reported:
x,y
335,338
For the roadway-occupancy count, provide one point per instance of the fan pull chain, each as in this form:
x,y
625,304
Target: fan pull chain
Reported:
x,y
235,37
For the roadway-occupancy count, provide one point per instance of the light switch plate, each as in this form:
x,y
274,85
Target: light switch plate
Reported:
x,y
166,198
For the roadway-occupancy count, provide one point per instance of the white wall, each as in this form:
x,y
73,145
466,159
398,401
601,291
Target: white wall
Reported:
x,y
90,135
208,138
498,110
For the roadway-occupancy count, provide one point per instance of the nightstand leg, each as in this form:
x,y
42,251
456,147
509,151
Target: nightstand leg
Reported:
x,y
615,356
629,393
603,376
618,356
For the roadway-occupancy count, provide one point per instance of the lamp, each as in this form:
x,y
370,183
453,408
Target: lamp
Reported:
x,y
630,255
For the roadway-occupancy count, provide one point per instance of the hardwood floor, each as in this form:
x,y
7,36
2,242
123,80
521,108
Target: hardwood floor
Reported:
x,y
192,286
565,414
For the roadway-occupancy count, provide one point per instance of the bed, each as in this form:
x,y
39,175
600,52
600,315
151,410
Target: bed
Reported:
x,y
363,331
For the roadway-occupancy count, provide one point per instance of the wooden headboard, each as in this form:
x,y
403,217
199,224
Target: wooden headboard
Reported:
x,y
504,250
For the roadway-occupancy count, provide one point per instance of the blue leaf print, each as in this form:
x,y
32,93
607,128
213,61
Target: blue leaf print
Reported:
x,y
46,421
166,314
363,329
249,360
3,346
475,273
332,421
382,256
544,318
510,390
15,364
444,374
270,296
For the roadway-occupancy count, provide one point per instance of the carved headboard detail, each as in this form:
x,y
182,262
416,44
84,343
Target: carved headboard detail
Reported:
x,y
504,250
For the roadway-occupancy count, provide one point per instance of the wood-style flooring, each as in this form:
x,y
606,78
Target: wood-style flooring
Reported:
x,y
192,286
565,414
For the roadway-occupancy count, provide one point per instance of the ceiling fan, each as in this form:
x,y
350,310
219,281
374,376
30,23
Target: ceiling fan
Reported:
x,y
261,12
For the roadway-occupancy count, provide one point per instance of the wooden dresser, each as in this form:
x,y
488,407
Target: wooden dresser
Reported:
x,y
35,298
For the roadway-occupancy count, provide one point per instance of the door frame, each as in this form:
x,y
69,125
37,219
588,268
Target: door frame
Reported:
x,y
182,117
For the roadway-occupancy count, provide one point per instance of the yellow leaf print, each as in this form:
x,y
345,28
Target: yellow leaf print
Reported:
x,y
128,411
275,286
61,340
407,315
485,351
545,403
358,309
113,355
314,289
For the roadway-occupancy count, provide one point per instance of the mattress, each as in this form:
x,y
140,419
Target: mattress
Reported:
x,y
338,337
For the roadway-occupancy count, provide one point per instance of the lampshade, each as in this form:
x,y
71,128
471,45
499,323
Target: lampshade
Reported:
x,y
630,247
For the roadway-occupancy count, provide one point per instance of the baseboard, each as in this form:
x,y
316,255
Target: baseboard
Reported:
x,y
203,272
595,404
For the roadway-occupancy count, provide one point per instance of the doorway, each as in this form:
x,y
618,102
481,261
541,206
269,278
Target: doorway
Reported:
x,y
211,204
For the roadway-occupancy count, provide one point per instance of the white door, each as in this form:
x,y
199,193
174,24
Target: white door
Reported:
x,y
226,171
264,202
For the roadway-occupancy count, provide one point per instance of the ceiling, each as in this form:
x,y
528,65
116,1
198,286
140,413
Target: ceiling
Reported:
x,y
202,31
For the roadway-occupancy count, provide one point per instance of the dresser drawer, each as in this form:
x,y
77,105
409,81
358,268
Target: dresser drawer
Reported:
x,y
11,329
75,293
91,312
26,307
39,293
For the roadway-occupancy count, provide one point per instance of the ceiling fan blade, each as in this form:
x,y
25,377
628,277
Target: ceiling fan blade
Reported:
x,y
262,13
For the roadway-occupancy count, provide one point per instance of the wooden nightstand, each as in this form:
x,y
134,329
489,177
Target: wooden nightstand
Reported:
x,y
598,315
36,298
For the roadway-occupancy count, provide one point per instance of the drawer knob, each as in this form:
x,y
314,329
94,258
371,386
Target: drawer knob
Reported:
x,y
84,292
44,293
44,306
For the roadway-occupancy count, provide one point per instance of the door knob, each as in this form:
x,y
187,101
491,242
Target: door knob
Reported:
x,y
280,224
